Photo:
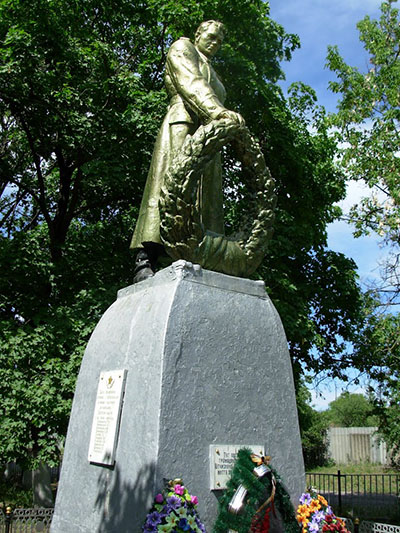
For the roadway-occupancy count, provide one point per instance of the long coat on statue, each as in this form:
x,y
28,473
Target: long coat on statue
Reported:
x,y
196,97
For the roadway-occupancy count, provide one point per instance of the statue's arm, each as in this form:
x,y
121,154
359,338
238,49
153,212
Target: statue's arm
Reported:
x,y
184,69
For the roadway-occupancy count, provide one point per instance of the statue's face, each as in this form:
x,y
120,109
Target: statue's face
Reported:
x,y
210,40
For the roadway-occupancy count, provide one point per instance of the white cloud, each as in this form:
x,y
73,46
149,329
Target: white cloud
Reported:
x,y
321,401
366,251
355,191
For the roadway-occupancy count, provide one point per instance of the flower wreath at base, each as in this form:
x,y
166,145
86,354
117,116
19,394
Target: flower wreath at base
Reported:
x,y
314,514
174,511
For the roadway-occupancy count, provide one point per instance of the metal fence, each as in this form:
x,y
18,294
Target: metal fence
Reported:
x,y
358,491
39,520
36,520
375,527
369,527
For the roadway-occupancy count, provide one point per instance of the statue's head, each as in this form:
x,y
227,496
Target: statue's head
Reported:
x,y
209,37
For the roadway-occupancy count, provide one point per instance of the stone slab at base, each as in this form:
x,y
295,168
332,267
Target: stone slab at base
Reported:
x,y
207,363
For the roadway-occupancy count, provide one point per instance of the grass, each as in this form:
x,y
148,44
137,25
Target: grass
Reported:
x,y
362,489
358,468
368,483
356,479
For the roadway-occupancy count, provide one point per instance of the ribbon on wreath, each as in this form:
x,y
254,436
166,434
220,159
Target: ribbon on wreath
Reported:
x,y
260,459
262,463
237,502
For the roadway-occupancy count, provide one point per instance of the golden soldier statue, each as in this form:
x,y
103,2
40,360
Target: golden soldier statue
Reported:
x,y
196,97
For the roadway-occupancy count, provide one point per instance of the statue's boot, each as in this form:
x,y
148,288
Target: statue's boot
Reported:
x,y
146,261
143,268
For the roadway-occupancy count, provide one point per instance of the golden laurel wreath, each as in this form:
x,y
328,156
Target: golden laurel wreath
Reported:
x,y
182,232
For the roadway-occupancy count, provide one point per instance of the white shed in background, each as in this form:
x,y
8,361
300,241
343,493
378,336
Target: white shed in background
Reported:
x,y
356,445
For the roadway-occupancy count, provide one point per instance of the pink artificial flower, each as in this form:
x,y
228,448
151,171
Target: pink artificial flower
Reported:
x,y
179,489
195,500
159,498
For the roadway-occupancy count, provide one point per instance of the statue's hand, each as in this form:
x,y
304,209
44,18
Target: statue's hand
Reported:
x,y
234,117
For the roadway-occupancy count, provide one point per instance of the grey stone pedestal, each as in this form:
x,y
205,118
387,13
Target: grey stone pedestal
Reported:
x,y
207,363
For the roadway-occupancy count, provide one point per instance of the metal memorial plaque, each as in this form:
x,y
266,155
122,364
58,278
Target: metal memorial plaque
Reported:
x,y
222,459
107,414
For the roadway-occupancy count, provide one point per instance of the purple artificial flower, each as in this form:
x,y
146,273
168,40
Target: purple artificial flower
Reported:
x,y
165,511
159,498
313,526
318,516
305,498
173,502
200,525
183,524
153,519
328,510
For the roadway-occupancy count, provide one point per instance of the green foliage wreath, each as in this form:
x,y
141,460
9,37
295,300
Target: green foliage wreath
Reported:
x,y
181,230
259,490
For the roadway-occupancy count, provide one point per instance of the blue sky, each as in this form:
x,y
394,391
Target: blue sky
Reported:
x,y
320,23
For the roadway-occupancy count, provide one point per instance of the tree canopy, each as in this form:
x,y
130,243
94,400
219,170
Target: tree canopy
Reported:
x,y
379,350
313,429
81,99
368,122
351,410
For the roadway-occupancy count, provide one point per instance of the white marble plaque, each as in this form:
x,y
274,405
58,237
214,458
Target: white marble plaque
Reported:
x,y
107,414
222,460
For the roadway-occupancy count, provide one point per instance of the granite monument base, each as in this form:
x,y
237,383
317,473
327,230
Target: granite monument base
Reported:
x,y
206,363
